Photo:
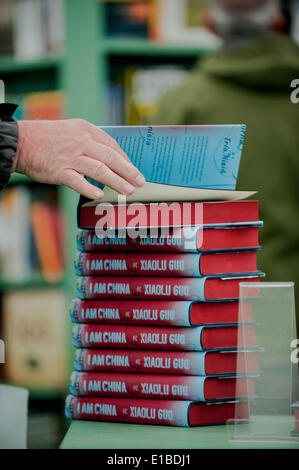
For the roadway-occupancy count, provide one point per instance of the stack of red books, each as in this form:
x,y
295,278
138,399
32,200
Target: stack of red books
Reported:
x,y
156,321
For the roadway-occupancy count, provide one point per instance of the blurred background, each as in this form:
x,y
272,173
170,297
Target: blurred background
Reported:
x,y
109,62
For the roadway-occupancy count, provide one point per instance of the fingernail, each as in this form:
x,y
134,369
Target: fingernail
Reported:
x,y
127,188
140,180
98,194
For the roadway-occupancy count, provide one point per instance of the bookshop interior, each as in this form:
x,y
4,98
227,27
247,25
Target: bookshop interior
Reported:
x,y
79,348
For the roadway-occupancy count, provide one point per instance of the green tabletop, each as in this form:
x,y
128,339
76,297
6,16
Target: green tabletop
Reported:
x,y
101,435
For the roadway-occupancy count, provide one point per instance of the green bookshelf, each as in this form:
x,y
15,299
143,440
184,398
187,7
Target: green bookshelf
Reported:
x,y
143,47
34,282
82,71
17,178
9,65
41,394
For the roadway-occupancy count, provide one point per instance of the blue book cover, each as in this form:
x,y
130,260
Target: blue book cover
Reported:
x,y
190,156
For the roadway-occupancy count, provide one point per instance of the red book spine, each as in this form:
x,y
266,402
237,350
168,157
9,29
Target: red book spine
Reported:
x,y
125,215
160,312
166,362
296,410
178,240
164,264
168,387
146,411
145,337
197,289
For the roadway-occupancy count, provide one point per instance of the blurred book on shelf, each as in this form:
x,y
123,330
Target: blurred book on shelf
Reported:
x,y
134,99
44,105
182,22
45,222
145,86
115,104
54,25
129,18
295,20
6,28
166,21
30,29
31,234
39,105
15,234
34,331
29,41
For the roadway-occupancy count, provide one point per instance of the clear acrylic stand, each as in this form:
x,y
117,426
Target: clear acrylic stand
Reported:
x,y
13,417
2,92
276,384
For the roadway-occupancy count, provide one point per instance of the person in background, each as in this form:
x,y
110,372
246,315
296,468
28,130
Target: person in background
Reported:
x,y
249,81
61,152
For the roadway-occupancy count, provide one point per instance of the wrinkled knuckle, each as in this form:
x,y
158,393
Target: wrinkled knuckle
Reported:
x,y
80,123
85,140
100,170
109,157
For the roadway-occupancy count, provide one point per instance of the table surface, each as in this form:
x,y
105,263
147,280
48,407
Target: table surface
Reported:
x,y
103,435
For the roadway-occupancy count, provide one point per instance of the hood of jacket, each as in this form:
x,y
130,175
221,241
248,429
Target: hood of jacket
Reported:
x,y
271,63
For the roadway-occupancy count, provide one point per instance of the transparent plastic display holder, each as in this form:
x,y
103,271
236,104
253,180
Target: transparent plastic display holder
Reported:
x,y
13,417
2,91
276,383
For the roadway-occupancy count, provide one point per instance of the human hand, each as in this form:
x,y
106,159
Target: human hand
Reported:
x,y
59,152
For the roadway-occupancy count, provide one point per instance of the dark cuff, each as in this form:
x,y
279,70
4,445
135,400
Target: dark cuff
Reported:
x,y
8,141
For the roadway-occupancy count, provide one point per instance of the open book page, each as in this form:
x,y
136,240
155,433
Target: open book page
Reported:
x,y
191,156
153,192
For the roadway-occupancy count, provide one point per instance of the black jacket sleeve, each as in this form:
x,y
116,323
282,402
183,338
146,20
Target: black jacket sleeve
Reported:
x,y
8,141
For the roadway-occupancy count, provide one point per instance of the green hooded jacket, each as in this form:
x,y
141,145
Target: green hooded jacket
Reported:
x,y
251,85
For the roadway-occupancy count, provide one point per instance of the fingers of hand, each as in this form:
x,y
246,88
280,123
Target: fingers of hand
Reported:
x,y
74,180
113,160
101,137
99,171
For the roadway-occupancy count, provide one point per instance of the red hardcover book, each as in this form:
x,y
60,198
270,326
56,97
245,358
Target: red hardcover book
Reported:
x,y
165,264
197,289
154,215
167,362
159,312
44,228
295,408
199,338
162,412
179,240
169,387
